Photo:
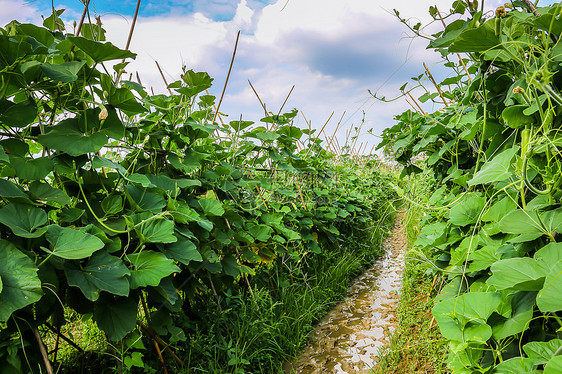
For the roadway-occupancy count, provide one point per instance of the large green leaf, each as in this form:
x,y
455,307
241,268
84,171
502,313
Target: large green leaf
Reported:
x,y
554,366
145,200
18,115
516,365
542,352
149,268
71,244
153,230
260,232
116,316
68,138
103,272
65,72
514,116
522,305
532,222
44,192
211,207
24,220
548,299
476,40
464,318
467,210
99,51
20,285
11,190
520,273
32,168
496,170
183,251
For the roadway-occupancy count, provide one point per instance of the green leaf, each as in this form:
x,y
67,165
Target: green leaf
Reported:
x,y
467,210
158,230
24,220
496,170
454,316
522,305
549,255
476,40
18,115
71,244
211,207
149,268
520,273
44,192
260,232
101,162
20,285
11,190
230,266
116,316
65,72
112,204
532,222
99,51
123,98
516,365
32,168
514,117
542,352
103,272
145,200
67,138
548,299
183,251
554,366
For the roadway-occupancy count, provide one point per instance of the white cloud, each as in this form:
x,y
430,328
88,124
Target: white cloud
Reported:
x,y
332,50
17,10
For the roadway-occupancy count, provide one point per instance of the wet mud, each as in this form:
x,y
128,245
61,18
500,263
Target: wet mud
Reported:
x,y
348,339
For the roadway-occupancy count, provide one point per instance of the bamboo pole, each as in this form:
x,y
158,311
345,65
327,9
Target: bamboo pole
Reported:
x,y
43,351
133,26
287,98
435,83
163,77
227,76
412,105
415,102
317,135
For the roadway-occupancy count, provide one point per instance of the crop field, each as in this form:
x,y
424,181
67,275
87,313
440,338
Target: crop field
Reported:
x,y
145,233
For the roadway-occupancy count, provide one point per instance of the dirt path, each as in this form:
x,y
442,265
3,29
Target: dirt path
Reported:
x,y
348,338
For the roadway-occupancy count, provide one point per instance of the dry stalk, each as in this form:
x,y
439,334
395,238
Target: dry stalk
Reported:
x,y
317,135
82,20
227,76
158,351
43,351
415,102
287,98
163,77
153,334
436,85
412,105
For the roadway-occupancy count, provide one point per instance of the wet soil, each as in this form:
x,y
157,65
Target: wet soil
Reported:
x,y
348,339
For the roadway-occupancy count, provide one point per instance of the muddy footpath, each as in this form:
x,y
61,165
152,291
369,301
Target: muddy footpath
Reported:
x,y
348,339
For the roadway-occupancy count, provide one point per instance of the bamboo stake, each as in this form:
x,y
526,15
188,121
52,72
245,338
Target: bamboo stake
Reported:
x,y
215,292
227,76
43,351
317,135
163,77
82,19
372,149
532,8
158,351
435,83
133,26
153,334
287,98
138,78
415,102
258,96
300,192
412,105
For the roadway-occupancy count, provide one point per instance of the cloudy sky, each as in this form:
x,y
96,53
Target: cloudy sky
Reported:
x,y
333,51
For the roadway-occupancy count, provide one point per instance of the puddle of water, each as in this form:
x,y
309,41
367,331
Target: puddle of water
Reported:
x,y
348,339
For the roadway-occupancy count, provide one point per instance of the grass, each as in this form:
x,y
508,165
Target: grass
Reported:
x,y
259,335
416,346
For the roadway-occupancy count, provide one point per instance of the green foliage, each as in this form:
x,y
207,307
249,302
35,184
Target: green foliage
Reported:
x,y
496,212
112,198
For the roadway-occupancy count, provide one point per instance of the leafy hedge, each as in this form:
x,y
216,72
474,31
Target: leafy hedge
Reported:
x,y
495,151
125,206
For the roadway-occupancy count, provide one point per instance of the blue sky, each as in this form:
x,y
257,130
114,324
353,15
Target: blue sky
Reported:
x,y
333,51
